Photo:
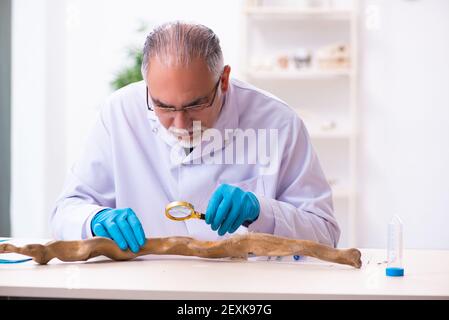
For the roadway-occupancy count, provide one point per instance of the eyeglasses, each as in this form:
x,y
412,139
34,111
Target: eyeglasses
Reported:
x,y
196,107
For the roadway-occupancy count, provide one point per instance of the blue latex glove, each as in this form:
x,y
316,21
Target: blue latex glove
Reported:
x,y
120,225
229,207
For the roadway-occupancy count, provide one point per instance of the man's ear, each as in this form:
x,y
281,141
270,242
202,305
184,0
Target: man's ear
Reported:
x,y
225,78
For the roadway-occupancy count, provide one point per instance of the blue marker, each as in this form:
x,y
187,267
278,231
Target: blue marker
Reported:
x,y
6,261
296,258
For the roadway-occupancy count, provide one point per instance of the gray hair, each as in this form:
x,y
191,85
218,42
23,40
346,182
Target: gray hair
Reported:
x,y
178,43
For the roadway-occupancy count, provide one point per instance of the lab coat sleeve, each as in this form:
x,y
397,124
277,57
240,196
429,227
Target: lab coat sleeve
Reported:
x,y
303,206
89,186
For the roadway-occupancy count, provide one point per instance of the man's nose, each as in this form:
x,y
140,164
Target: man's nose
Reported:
x,y
182,120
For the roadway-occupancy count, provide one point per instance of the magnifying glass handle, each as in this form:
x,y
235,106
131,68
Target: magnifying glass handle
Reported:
x,y
245,224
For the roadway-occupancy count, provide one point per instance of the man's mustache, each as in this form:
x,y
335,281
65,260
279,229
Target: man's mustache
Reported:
x,y
186,132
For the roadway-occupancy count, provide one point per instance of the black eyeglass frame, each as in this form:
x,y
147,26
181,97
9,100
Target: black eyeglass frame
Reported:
x,y
196,107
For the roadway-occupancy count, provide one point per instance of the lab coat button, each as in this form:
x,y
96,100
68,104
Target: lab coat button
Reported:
x,y
155,130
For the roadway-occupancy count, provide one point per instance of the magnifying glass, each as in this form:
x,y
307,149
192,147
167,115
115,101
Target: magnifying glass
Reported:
x,y
182,210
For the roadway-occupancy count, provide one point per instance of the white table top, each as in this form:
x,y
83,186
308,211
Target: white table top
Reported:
x,y
177,277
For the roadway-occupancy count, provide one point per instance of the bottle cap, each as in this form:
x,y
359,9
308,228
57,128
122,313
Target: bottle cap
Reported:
x,y
394,272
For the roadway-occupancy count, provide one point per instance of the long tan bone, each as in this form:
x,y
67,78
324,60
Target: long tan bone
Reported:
x,y
238,246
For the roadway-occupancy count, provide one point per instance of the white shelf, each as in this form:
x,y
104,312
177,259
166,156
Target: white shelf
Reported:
x,y
295,13
311,74
319,130
265,35
331,134
341,192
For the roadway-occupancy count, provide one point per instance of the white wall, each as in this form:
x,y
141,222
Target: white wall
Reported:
x,y
404,125
37,109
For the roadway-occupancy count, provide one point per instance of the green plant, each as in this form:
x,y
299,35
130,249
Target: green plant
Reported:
x,y
130,73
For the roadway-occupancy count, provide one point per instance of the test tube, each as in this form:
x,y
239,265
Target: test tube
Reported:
x,y
394,251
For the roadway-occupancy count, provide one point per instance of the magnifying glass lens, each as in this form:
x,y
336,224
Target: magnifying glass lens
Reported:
x,y
180,212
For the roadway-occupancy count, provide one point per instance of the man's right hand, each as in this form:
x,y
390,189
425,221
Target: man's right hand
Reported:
x,y
120,225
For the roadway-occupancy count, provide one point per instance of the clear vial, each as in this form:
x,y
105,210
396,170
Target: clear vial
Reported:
x,y
395,248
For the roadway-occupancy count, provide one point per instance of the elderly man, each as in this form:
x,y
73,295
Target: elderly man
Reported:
x,y
189,132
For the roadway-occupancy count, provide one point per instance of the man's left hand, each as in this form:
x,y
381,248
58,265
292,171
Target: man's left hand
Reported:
x,y
229,207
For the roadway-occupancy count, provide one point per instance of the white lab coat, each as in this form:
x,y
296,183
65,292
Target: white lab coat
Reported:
x,y
128,162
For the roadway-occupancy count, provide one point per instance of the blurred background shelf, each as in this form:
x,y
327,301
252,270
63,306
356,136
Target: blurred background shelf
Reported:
x,y
307,56
341,192
298,75
278,12
334,134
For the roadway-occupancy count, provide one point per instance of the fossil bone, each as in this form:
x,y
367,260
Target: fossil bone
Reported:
x,y
238,246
